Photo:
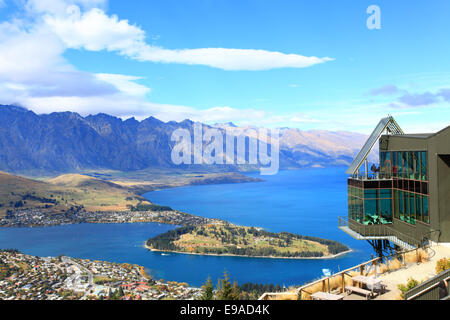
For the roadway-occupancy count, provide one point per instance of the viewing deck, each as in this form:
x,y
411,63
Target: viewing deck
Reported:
x,y
377,232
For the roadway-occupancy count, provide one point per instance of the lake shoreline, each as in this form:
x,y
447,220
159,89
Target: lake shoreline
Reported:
x,y
329,257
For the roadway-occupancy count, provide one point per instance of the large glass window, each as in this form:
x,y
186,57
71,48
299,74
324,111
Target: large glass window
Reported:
x,y
411,165
386,211
371,194
382,163
400,164
353,208
405,164
394,165
371,212
419,207
423,166
412,209
401,205
416,159
355,204
425,210
385,165
406,198
396,212
360,211
350,202
385,193
386,206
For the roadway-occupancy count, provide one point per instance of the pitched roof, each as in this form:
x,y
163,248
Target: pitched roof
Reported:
x,y
386,124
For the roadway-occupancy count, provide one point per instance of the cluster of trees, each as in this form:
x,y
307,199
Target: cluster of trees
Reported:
x,y
165,241
260,252
116,295
30,197
5,270
334,247
9,214
13,251
39,199
149,207
252,291
18,204
225,290
224,233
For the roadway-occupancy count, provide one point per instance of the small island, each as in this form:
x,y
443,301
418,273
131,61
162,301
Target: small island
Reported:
x,y
223,238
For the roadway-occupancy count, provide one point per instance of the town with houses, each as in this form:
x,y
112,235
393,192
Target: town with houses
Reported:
x,y
25,277
37,218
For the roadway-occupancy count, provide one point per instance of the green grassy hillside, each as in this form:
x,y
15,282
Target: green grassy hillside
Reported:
x,y
64,193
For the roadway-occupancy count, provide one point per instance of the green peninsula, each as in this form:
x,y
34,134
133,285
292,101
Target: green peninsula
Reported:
x,y
224,238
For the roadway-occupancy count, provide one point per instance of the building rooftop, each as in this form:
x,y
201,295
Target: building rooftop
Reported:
x,y
415,135
422,135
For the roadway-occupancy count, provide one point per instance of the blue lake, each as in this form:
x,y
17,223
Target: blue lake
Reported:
x,y
306,202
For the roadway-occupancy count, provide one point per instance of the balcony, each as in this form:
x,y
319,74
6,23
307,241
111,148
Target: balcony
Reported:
x,y
376,232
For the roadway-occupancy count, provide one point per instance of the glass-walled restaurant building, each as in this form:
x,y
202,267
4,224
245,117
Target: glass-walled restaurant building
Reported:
x,y
406,197
401,191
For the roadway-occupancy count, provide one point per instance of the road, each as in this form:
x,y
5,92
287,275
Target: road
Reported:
x,y
75,280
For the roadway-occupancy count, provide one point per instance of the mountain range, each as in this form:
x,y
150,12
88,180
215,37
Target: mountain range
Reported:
x,y
64,142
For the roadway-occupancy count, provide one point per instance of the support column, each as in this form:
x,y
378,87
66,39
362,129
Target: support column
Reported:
x,y
366,167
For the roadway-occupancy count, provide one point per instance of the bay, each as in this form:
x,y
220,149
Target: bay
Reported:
x,y
305,202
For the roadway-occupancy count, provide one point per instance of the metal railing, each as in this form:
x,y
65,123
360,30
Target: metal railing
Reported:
x,y
367,268
402,236
342,221
325,282
377,230
371,176
429,290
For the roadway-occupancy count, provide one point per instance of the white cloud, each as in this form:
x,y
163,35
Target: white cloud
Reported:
x,y
26,54
94,30
32,64
229,59
125,84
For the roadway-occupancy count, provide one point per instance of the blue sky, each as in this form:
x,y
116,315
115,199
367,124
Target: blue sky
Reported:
x,y
318,65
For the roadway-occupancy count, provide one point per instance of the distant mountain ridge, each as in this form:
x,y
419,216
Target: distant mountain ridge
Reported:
x,y
67,142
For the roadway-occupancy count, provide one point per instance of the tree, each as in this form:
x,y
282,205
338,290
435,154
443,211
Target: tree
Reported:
x,y
224,289
235,292
114,295
121,293
208,290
